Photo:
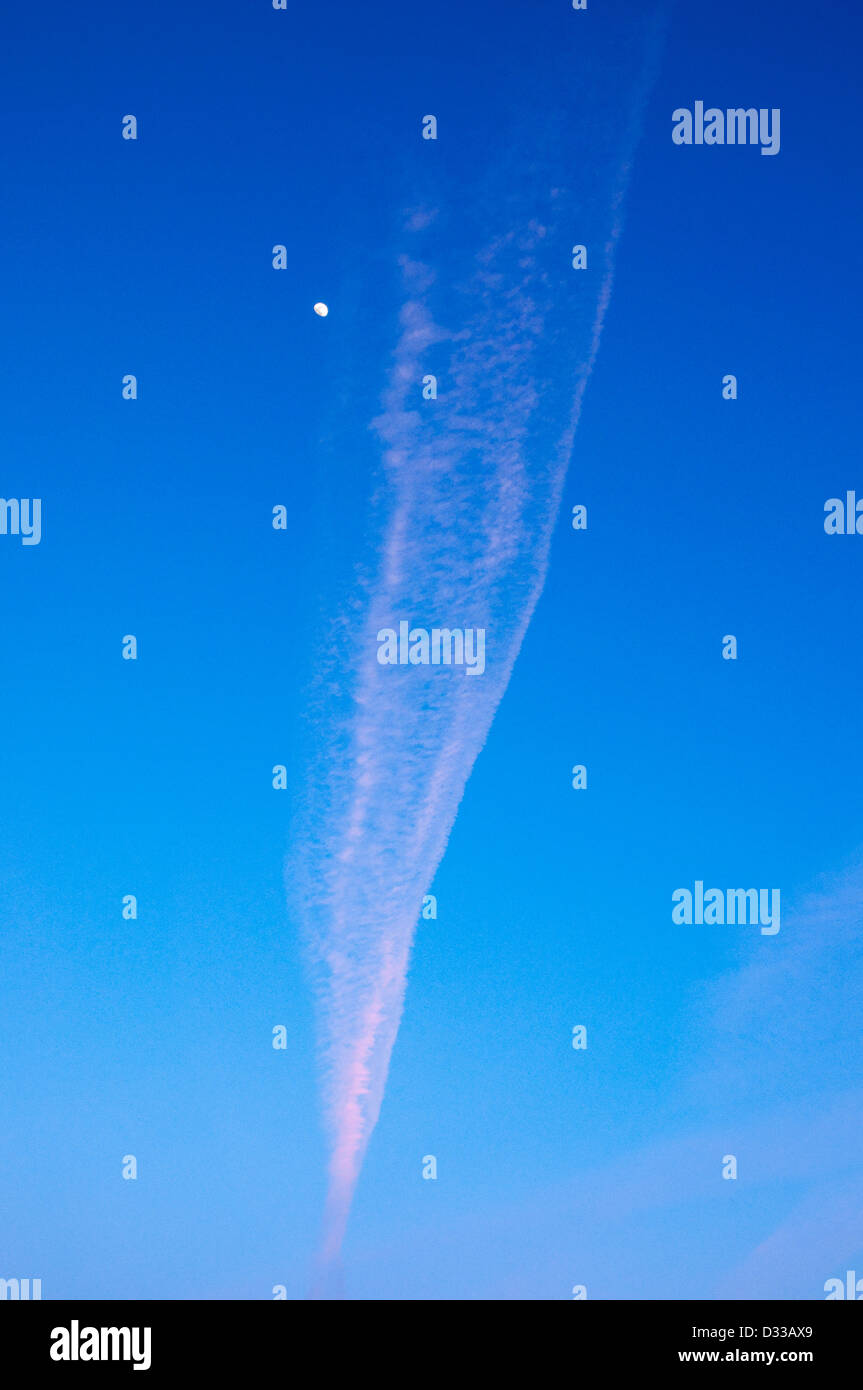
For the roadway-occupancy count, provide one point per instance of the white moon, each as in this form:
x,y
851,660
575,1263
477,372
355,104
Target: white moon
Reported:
x,y
321,310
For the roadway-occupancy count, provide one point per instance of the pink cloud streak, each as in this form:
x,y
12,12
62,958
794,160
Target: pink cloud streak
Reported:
x,y
467,505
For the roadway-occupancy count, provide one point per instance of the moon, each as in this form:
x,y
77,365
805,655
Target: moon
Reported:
x,y
321,310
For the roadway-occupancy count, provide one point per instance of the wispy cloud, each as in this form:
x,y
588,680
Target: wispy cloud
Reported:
x,y
470,491
787,1022
776,1080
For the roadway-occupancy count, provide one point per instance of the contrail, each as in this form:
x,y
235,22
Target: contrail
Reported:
x,y
469,495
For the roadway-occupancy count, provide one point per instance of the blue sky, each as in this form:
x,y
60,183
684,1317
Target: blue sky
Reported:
x,y
154,777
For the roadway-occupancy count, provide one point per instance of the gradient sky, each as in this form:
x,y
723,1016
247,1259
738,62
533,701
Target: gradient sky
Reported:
x,y
705,517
